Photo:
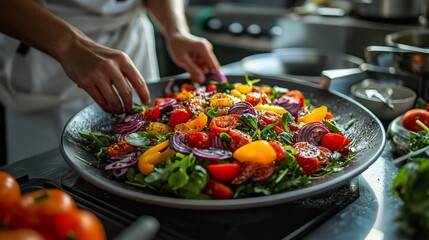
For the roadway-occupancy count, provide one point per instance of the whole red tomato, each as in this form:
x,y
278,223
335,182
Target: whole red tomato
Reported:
x,y
37,210
411,116
79,224
21,234
10,193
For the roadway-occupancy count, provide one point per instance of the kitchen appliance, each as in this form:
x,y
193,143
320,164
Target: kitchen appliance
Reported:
x,y
368,135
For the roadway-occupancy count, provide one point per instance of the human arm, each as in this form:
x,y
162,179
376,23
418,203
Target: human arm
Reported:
x,y
195,54
93,67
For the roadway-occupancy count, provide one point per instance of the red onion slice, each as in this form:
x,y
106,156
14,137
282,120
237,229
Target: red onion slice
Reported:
x,y
167,105
242,107
291,104
219,143
130,123
212,154
126,162
312,133
178,143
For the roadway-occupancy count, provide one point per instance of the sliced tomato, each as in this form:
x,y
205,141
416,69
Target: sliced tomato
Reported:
x,y
325,155
178,116
271,118
335,141
187,87
263,172
411,116
119,148
223,123
239,139
211,88
254,98
307,157
194,106
152,114
298,95
198,140
217,190
247,170
223,172
279,149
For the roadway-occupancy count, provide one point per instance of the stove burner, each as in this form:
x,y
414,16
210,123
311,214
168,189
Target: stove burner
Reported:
x,y
282,221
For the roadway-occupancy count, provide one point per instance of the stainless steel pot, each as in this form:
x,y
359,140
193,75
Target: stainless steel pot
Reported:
x,y
388,9
305,64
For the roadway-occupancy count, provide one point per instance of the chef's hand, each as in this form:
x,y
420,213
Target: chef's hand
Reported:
x,y
195,54
107,75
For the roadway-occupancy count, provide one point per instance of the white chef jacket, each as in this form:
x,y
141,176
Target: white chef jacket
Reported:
x,y
40,98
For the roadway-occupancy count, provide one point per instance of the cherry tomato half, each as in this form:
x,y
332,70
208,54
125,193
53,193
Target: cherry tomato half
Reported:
x,y
239,139
335,141
179,116
411,116
10,193
325,155
217,190
307,157
152,114
198,140
119,148
279,149
223,123
223,172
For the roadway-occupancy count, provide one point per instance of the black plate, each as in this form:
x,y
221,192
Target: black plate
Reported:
x,y
367,133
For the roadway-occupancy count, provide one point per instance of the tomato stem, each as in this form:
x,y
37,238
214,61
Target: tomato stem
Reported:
x,y
421,124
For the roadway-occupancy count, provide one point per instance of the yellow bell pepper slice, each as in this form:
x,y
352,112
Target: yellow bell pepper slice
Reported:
x,y
221,100
154,156
184,95
257,151
158,127
242,88
270,108
192,126
317,115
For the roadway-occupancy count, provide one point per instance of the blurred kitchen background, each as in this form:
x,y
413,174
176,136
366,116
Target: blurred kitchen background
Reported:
x,y
242,28
239,28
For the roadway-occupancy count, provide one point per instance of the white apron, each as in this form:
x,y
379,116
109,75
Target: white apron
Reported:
x,y
39,97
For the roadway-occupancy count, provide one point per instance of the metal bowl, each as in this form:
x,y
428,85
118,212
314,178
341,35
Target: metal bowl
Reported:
x,y
401,99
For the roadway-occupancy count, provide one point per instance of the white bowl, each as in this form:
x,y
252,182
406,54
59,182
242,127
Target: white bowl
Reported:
x,y
403,99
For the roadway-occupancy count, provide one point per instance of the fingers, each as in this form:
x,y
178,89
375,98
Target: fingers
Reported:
x,y
210,58
195,72
138,83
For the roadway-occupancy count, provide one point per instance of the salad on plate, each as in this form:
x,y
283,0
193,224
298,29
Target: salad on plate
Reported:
x,y
223,141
